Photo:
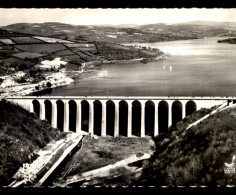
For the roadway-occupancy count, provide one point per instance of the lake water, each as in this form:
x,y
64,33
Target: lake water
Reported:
x,y
200,67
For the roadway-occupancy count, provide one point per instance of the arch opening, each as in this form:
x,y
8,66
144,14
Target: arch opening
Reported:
x,y
176,112
36,107
85,115
190,107
72,115
97,117
149,118
110,120
123,118
136,118
60,114
163,116
48,111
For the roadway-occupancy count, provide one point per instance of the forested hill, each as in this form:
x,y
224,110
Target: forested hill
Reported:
x,y
229,40
21,133
195,156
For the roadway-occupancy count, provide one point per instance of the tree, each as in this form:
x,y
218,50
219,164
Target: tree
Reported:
x,y
22,80
1,80
23,67
62,66
49,85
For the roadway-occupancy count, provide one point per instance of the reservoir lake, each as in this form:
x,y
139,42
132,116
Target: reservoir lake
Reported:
x,y
198,67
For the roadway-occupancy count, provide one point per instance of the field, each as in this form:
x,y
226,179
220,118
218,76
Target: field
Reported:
x,y
82,54
7,53
71,66
4,55
63,53
15,62
7,47
41,48
74,45
25,40
7,41
52,40
23,55
83,49
75,59
87,56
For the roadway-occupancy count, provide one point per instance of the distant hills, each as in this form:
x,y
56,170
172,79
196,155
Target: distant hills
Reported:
x,y
125,33
210,23
118,25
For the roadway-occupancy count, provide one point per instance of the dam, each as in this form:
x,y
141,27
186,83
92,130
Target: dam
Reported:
x,y
130,116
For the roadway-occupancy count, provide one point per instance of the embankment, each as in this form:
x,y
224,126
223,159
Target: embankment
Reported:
x,y
21,133
195,156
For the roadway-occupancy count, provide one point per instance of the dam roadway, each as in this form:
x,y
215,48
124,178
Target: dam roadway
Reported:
x,y
116,115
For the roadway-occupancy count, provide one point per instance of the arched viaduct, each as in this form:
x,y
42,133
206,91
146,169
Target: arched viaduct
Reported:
x,y
128,116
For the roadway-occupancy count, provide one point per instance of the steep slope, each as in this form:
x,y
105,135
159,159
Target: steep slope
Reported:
x,y
21,133
195,156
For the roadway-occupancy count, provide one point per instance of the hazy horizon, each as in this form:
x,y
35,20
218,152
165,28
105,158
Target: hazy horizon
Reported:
x,y
115,16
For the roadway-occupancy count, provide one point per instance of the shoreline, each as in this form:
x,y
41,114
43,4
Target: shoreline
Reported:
x,y
62,78
84,73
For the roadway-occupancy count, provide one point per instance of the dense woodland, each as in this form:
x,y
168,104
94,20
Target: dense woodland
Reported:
x,y
195,156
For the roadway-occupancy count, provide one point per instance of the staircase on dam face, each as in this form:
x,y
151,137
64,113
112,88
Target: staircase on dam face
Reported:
x,y
49,158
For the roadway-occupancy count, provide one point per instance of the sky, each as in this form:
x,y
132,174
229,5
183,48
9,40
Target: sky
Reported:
x,y
114,16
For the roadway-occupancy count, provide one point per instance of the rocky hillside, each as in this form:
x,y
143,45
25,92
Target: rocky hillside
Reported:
x,y
21,133
195,156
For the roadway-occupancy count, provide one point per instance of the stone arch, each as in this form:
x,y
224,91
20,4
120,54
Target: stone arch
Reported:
x,y
190,107
149,117
97,106
123,118
110,120
84,115
60,114
36,107
72,115
48,110
136,118
163,109
176,112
